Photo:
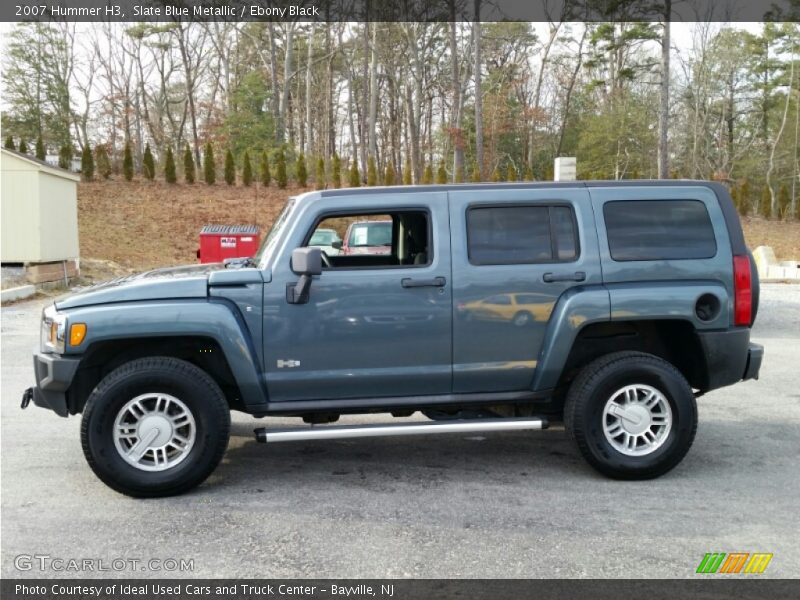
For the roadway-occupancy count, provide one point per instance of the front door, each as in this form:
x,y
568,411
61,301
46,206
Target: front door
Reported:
x,y
379,319
516,251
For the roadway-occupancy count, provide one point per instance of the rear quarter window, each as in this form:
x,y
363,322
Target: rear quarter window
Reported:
x,y
659,230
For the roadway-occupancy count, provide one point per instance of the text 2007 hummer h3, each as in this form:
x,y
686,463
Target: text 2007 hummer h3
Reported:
x,y
608,305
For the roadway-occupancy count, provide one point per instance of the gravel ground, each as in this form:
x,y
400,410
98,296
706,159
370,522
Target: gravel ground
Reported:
x,y
501,505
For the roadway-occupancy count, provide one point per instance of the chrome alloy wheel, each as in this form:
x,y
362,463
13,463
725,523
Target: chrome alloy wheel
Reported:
x,y
637,420
154,432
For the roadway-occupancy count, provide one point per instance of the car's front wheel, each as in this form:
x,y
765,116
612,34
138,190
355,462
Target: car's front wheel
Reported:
x,y
633,415
155,427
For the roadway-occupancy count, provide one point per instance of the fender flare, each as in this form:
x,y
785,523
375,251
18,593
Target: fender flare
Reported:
x,y
215,319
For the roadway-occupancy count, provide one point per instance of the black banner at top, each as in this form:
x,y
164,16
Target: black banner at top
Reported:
x,y
397,10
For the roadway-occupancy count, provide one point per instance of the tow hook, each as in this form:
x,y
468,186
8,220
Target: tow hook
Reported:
x,y
27,396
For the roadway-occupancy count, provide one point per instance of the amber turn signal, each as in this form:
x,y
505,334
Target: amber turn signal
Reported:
x,y
77,333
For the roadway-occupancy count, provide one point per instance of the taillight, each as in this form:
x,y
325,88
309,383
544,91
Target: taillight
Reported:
x,y
742,291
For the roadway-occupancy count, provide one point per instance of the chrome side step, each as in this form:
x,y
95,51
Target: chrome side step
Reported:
x,y
336,432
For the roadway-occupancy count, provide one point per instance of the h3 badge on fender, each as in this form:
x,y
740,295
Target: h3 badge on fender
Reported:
x,y
288,364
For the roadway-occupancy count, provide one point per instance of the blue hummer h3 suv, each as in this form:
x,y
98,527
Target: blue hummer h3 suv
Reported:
x,y
610,306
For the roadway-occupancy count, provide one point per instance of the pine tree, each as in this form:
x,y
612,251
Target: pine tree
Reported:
x,y
427,175
23,147
230,168
264,173
280,171
302,173
320,179
476,175
783,202
209,168
40,151
511,174
127,162
407,175
102,161
336,171
441,173
188,165
148,164
10,143
372,172
764,204
169,167
389,175
87,163
745,199
247,170
355,176
65,156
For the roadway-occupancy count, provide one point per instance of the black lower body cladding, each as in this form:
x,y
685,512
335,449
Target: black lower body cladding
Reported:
x,y
54,374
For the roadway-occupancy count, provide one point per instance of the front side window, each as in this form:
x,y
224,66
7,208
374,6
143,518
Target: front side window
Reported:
x,y
358,241
500,235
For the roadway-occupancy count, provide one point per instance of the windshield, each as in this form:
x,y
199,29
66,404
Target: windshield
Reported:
x,y
371,234
323,237
272,237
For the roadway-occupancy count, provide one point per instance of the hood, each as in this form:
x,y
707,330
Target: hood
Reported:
x,y
159,284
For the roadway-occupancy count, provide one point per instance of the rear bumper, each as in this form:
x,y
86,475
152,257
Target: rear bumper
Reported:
x,y
730,357
755,353
54,374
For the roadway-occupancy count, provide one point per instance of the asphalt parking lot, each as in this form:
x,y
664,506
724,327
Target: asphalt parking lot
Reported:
x,y
503,505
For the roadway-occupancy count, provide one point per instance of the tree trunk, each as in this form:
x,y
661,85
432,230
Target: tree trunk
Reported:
x,y
663,108
309,141
537,97
288,65
273,74
373,94
476,32
458,100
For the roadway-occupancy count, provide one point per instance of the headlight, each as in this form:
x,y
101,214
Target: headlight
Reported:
x,y
54,330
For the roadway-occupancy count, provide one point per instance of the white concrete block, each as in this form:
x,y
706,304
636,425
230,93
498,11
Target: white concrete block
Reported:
x,y
17,293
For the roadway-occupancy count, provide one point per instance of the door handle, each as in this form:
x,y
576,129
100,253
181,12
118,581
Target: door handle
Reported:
x,y
553,277
407,282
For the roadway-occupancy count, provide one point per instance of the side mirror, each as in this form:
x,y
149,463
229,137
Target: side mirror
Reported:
x,y
306,262
337,244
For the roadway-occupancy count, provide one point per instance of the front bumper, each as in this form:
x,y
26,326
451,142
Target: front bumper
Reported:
x,y
54,374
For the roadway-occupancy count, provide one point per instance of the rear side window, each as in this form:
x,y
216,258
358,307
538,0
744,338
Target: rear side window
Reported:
x,y
659,230
499,235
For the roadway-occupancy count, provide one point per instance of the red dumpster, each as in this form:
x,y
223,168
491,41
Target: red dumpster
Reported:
x,y
218,242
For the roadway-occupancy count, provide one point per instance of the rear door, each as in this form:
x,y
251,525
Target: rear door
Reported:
x,y
515,253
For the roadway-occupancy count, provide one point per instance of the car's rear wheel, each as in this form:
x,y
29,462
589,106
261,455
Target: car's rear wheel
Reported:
x,y
155,427
632,415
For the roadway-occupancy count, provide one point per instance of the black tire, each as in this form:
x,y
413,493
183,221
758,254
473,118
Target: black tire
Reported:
x,y
193,387
597,382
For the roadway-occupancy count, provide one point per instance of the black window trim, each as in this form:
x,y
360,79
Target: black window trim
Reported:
x,y
629,260
548,204
385,211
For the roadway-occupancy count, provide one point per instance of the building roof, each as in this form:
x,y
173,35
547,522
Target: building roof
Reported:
x,y
229,229
42,165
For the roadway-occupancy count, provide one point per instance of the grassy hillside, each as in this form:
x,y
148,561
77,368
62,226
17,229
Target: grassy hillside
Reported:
x,y
142,225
